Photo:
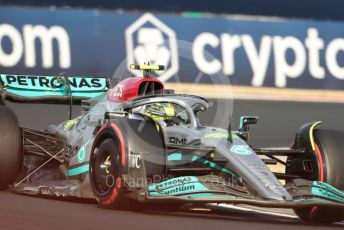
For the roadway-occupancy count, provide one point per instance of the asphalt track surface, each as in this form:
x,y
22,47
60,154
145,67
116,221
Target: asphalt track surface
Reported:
x,y
32,213
278,123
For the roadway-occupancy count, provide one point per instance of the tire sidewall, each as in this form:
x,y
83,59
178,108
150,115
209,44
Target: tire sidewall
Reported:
x,y
11,147
109,139
115,179
329,157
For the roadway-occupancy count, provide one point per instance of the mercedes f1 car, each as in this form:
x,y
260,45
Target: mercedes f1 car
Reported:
x,y
138,143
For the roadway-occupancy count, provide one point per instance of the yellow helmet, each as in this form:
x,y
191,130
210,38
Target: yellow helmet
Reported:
x,y
160,111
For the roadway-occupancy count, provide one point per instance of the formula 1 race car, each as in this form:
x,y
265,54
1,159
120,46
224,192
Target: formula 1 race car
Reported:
x,y
138,143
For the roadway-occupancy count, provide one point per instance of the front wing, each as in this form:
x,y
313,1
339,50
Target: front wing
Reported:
x,y
211,189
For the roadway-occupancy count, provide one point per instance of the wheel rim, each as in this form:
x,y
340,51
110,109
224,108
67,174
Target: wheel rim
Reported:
x,y
105,172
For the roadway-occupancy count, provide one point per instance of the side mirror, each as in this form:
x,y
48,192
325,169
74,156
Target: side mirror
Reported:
x,y
245,122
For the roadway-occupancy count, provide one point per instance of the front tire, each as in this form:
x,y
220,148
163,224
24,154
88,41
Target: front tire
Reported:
x,y
10,147
106,175
329,151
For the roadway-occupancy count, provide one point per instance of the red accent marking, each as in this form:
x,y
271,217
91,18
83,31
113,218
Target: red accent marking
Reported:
x,y
129,88
314,209
123,161
101,129
320,162
121,140
114,193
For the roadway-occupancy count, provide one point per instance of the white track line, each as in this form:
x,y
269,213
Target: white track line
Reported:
x,y
228,207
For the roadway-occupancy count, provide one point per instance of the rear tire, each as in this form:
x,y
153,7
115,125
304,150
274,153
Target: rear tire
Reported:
x,y
330,157
10,150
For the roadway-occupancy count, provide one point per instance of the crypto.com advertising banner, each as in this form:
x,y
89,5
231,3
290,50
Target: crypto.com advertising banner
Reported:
x,y
251,52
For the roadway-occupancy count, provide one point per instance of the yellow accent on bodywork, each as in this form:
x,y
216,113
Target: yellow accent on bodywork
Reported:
x,y
68,124
311,136
147,67
219,135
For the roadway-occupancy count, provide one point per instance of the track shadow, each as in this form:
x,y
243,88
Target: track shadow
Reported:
x,y
236,215
182,212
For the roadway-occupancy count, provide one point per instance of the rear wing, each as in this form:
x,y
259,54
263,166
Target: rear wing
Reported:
x,y
51,89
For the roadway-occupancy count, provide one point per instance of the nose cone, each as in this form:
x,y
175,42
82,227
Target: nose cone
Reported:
x,y
248,165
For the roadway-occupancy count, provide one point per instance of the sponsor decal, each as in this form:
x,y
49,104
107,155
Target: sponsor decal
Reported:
x,y
92,123
241,150
179,189
87,122
150,40
51,82
118,90
134,160
272,48
177,186
81,155
174,182
177,140
24,43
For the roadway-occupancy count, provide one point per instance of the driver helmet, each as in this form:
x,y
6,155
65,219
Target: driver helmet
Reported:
x,y
160,111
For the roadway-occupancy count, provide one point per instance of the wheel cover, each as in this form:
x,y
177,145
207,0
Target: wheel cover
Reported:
x,y
105,172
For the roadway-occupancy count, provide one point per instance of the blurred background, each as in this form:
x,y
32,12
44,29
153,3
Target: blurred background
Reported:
x,y
280,60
